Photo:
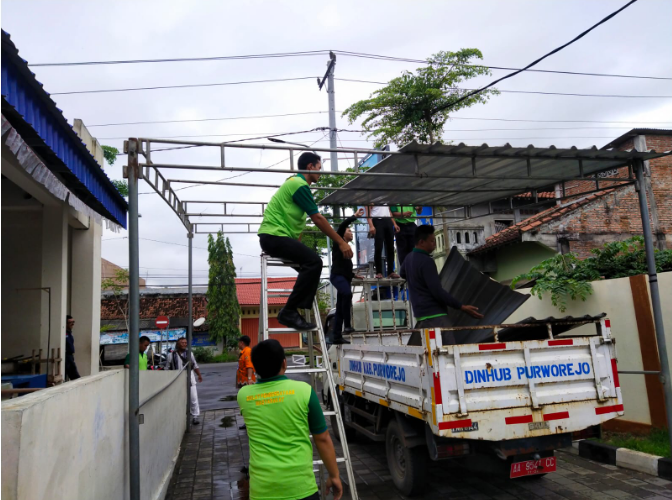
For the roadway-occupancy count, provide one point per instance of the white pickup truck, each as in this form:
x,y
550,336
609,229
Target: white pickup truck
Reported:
x,y
514,402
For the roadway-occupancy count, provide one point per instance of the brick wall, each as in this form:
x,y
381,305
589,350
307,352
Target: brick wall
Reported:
x,y
616,216
153,306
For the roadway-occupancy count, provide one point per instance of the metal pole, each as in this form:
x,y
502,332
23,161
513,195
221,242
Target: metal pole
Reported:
x,y
655,293
190,328
134,322
331,93
333,155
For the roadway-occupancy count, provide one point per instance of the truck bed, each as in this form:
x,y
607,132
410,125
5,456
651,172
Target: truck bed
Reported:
x,y
492,391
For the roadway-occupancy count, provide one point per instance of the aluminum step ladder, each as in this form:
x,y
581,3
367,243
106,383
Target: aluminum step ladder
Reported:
x,y
312,369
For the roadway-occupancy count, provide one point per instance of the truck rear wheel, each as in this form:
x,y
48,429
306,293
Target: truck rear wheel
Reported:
x,y
408,466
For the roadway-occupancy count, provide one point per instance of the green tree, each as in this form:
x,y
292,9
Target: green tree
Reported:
x,y
110,153
407,108
223,307
566,277
118,285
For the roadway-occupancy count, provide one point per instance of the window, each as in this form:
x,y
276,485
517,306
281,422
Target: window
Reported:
x,y
458,237
466,236
475,237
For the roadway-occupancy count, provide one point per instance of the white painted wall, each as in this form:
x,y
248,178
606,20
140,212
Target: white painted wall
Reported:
x,y
85,295
613,297
21,268
70,441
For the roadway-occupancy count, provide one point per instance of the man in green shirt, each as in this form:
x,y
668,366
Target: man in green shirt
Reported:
x,y
405,219
280,232
143,343
280,414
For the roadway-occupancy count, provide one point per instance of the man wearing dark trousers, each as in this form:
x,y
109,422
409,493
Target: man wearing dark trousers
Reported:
x,y
404,216
428,298
341,278
382,229
70,366
284,221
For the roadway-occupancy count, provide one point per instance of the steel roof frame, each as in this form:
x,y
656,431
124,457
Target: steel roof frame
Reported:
x,y
149,171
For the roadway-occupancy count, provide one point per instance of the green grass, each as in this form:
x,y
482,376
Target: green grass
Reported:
x,y
225,357
290,353
656,443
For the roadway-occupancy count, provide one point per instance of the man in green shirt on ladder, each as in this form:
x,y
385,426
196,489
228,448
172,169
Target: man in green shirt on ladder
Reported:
x,y
280,415
280,232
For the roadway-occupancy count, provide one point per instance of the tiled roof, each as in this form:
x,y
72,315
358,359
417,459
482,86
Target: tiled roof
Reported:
x,y
543,195
514,233
249,290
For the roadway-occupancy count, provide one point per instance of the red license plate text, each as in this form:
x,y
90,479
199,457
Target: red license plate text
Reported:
x,y
532,467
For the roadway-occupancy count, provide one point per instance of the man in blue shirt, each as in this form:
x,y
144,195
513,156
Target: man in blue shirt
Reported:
x,y
428,298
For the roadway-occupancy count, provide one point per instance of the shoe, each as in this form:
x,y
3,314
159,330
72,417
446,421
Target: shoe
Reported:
x,y
195,421
293,319
339,341
348,330
242,427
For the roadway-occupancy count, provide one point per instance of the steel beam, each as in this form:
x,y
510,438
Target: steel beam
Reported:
x,y
655,293
133,173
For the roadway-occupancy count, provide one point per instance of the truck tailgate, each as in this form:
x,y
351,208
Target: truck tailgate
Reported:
x,y
493,391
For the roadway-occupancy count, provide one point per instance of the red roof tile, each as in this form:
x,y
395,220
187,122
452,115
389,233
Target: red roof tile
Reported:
x,y
249,290
513,233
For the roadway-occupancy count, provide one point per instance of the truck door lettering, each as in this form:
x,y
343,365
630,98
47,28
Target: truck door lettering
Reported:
x,y
507,373
546,370
570,369
555,371
521,372
563,370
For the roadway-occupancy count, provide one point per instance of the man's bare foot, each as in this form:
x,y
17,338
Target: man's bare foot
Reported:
x,y
379,275
394,276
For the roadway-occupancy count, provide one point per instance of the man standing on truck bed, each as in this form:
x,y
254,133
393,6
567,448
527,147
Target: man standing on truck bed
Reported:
x,y
280,232
428,298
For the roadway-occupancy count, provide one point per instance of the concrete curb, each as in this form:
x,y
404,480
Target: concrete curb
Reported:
x,y
628,459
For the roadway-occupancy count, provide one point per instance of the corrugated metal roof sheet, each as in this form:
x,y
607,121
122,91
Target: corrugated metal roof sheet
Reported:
x,y
445,177
36,117
495,301
558,326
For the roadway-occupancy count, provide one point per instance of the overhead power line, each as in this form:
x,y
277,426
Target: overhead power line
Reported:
x,y
345,53
353,80
209,119
534,63
476,91
162,87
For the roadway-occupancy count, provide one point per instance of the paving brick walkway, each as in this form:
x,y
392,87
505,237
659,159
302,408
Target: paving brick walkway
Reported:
x,y
213,454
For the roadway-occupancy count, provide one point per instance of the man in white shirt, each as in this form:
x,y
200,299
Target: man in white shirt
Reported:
x,y
176,359
382,228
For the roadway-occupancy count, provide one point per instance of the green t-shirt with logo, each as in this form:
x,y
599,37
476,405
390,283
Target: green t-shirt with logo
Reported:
x,y
142,361
402,209
285,214
280,414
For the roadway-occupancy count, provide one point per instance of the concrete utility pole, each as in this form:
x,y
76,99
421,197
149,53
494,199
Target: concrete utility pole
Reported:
x,y
333,156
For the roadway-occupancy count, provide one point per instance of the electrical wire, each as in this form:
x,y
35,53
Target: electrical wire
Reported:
x,y
339,52
353,80
186,86
475,91
209,119
534,63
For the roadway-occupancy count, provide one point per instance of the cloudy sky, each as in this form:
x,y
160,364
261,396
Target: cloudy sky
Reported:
x,y
510,34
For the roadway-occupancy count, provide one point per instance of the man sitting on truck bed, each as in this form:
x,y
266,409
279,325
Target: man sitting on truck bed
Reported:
x,y
428,298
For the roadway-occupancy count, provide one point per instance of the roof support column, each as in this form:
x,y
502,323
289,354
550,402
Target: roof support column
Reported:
x,y
655,293
133,174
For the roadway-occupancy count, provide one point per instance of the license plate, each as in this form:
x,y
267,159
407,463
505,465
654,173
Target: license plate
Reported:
x,y
532,467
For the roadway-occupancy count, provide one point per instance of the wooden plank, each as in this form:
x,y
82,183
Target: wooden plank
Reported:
x,y
649,348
